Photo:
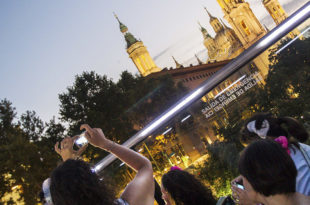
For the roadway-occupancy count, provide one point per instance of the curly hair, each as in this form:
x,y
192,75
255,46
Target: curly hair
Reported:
x,y
186,189
73,182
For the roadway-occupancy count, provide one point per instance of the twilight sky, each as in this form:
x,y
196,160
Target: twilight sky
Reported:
x,y
44,44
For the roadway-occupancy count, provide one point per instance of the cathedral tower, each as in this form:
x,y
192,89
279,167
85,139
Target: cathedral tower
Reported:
x,y
275,10
138,52
247,28
208,42
278,14
215,23
243,21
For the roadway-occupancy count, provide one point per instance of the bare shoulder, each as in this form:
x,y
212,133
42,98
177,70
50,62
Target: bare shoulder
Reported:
x,y
303,199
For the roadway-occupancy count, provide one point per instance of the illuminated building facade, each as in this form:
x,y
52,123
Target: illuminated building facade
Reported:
x,y
278,14
228,43
225,45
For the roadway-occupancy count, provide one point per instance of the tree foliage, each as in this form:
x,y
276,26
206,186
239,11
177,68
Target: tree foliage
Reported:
x,y
120,108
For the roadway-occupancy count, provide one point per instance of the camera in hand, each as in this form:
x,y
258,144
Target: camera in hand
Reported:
x,y
240,186
81,141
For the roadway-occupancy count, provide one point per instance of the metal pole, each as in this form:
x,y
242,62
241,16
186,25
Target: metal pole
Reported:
x,y
257,48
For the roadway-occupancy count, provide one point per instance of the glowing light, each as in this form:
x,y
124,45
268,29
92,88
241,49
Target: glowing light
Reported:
x,y
284,27
289,43
122,164
171,112
16,187
229,86
180,105
185,118
167,131
81,140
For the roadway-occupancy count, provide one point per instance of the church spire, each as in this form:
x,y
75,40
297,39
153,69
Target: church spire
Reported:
x,y
130,39
138,52
122,27
211,17
215,23
177,64
199,61
202,29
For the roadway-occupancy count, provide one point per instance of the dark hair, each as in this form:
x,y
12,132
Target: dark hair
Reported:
x,y
282,126
268,168
73,182
185,189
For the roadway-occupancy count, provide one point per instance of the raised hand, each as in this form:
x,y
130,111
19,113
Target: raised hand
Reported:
x,y
66,150
96,137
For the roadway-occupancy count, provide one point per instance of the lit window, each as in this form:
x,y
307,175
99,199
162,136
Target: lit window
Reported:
x,y
245,28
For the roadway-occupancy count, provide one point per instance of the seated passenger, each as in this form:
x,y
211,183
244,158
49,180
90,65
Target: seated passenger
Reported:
x,y
182,188
289,133
268,175
74,182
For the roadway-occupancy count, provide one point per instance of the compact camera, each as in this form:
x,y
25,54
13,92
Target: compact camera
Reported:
x,y
81,141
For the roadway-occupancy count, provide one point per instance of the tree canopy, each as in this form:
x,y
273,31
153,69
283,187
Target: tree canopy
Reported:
x,y
119,108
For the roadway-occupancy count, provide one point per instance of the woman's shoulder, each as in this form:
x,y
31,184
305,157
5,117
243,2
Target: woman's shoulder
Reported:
x,y
303,199
305,147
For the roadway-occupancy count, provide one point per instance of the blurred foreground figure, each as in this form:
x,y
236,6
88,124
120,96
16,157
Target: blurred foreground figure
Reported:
x,y
75,183
268,175
289,133
182,188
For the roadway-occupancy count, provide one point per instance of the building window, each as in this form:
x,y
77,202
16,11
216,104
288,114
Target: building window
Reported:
x,y
245,28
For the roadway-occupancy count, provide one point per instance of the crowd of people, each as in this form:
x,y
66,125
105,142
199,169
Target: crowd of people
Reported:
x,y
274,169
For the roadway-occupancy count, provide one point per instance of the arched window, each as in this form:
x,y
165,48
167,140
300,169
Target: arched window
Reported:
x,y
245,28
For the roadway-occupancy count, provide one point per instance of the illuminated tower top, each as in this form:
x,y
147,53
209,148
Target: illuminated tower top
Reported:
x,y
204,31
227,5
275,10
130,39
215,23
138,52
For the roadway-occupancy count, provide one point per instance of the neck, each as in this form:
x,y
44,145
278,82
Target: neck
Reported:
x,y
283,199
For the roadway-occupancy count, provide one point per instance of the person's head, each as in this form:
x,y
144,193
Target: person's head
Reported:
x,y
181,187
73,182
265,125
267,170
